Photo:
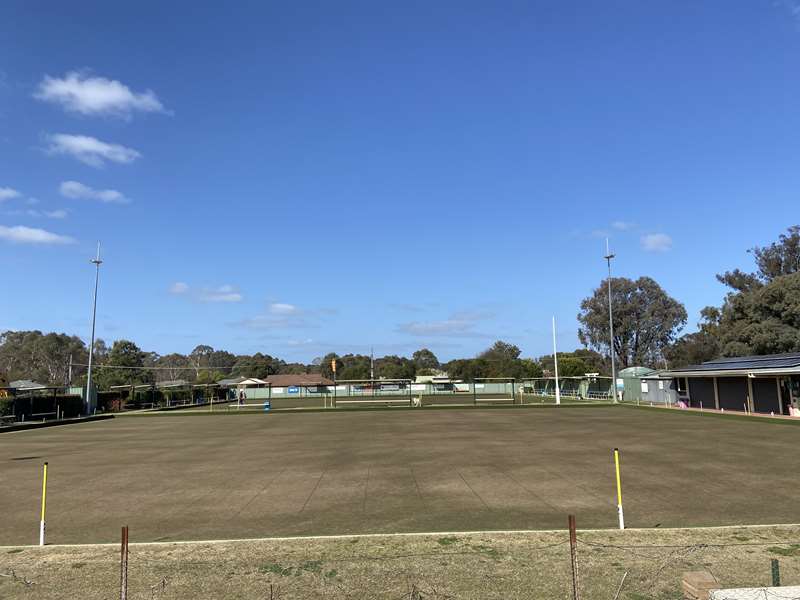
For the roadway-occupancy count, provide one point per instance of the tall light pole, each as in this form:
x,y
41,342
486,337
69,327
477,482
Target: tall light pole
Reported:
x,y
96,262
555,362
608,258
371,364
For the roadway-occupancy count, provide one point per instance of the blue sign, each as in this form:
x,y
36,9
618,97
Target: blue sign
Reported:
x,y
293,389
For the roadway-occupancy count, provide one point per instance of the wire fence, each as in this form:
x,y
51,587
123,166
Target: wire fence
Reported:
x,y
613,565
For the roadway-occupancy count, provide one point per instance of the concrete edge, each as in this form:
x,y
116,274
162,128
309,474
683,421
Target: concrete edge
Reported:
x,y
710,412
347,536
42,424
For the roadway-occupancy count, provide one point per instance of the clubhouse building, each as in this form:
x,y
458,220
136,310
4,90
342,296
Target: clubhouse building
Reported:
x,y
767,384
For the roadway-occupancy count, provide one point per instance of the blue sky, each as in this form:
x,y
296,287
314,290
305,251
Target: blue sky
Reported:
x,y
299,178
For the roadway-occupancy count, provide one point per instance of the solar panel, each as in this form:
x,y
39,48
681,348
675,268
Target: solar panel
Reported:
x,y
767,361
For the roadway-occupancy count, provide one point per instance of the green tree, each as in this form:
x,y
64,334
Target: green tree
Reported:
x,y
125,366
353,366
200,358
776,260
760,313
209,376
325,365
501,351
499,360
41,357
646,321
395,367
223,361
765,320
425,361
172,367
576,363
297,368
700,346
529,369
465,369
258,365
100,354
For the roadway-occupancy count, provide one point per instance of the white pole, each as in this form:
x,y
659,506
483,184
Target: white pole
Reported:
x,y
608,258
42,526
620,513
555,361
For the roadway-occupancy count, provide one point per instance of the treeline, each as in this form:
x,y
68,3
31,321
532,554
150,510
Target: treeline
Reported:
x,y
499,360
46,358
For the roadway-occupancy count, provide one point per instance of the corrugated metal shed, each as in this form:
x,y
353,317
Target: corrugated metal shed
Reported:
x,y
632,382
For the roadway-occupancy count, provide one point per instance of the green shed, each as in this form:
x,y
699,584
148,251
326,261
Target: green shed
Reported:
x,y
632,382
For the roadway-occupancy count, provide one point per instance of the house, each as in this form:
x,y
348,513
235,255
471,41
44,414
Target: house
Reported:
x,y
760,384
238,388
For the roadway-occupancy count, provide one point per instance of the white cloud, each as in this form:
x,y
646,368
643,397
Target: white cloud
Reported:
x,y
656,242
79,93
178,288
280,308
460,324
20,234
77,190
272,321
623,225
281,315
90,150
793,6
32,201
7,193
224,293
32,212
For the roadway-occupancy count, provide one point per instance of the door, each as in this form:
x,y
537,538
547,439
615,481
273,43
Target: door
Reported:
x,y
765,396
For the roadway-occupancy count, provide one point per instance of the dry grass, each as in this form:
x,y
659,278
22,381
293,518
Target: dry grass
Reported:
x,y
429,567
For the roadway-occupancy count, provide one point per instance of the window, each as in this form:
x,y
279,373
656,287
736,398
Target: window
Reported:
x,y
681,385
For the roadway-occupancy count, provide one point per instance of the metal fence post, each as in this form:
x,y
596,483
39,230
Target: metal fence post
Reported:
x,y
123,565
573,554
776,573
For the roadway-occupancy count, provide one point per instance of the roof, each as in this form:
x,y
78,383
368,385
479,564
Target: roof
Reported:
x,y
173,383
657,375
300,379
767,364
635,372
231,381
26,384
